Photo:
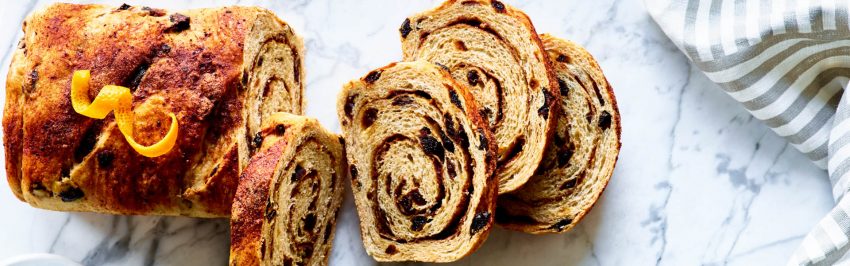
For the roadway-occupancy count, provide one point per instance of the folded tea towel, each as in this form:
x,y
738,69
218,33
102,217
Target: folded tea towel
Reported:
x,y
787,62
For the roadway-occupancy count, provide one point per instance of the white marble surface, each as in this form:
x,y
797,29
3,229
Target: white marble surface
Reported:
x,y
699,180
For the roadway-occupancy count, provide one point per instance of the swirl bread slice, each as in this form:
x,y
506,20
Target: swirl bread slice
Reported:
x,y
221,71
494,49
422,163
577,167
289,194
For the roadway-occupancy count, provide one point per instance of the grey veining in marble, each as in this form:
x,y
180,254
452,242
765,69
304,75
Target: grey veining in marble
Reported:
x,y
699,181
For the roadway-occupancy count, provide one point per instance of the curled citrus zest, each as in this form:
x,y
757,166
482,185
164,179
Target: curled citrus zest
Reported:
x,y
119,100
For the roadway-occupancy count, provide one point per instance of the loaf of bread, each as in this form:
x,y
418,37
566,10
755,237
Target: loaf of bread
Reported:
x,y
494,49
577,167
285,207
421,162
221,71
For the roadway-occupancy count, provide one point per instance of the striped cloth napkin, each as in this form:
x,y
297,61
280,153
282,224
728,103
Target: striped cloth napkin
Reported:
x,y
787,62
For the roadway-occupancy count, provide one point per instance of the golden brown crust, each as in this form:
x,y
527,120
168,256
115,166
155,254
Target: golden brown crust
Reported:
x,y
583,154
190,63
12,122
246,224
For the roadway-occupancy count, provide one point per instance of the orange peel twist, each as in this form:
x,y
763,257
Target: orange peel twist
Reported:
x,y
119,100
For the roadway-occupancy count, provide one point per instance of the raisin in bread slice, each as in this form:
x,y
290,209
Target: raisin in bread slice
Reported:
x,y
577,167
494,49
422,163
289,194
221,71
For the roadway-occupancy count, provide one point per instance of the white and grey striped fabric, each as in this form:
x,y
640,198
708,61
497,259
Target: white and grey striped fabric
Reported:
x,y
787,62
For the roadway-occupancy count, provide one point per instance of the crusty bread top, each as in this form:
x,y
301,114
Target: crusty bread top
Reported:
x,y
248,210
494,49
190,63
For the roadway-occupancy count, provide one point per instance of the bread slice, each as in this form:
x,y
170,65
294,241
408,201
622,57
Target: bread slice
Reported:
x,y
221,71
493,48
577,167
288,196
422,163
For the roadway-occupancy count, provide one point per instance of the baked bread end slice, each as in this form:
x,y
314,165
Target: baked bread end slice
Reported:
x,y
581,158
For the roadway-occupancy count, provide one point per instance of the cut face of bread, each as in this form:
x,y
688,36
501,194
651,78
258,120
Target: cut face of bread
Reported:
x,y
288,197
421,162
221,71
577,167
493,49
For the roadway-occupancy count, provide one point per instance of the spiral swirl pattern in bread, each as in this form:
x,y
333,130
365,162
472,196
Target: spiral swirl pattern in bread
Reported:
x,y
494,49
577,167
421,163
289,194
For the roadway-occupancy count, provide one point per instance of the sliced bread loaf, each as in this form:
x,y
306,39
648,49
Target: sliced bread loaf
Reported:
x,y
221,71
577,167
494,49
422,163
285,207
